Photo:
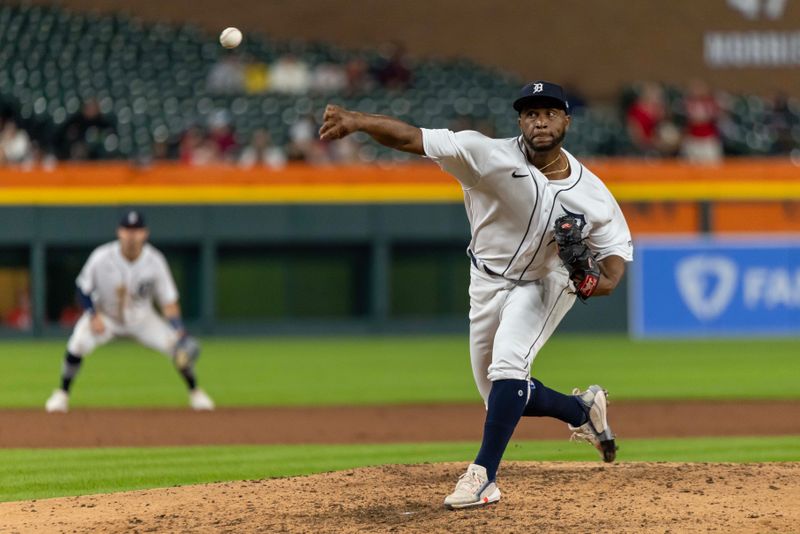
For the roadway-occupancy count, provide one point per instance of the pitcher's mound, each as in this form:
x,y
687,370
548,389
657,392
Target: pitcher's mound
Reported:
x,y
537,497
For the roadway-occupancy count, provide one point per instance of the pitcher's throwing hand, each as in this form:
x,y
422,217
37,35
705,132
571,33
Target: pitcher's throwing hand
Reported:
x,y
337,123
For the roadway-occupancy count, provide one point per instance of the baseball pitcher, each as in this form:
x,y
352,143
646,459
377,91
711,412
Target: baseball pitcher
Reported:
x,y
545,231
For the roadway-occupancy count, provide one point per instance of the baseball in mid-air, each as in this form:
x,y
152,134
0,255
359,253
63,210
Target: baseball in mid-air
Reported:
x,y
230,37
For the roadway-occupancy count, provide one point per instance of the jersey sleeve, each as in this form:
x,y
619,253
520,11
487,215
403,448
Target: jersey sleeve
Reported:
x,y
166,292
86,278
612,237
462,154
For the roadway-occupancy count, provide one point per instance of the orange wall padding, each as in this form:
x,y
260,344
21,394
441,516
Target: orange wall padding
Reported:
x,y
612,171
629,180
757,217
662,217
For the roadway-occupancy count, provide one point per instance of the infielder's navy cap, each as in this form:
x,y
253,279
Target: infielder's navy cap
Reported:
x,y
547,93
132,219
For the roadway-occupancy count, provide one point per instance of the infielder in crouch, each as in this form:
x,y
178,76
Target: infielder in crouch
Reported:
x,y
116,288
544,229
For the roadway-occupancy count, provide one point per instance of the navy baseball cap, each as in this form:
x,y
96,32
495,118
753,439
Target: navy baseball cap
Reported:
x,y
545,93
132,219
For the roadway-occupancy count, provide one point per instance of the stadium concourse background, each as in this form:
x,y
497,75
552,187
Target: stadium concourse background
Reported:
x,y
381,248
685,40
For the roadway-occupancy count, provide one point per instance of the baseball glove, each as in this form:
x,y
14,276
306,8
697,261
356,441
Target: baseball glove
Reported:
x,y
581,265
186,352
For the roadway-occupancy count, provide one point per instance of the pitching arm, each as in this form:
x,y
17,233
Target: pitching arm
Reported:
x,y
388,131
612,268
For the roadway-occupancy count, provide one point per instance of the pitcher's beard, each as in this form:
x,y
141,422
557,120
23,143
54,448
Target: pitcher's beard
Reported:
x,y
556,141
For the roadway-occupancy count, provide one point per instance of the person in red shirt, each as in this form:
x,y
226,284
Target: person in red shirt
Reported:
x,y
19,317
701,139
649,127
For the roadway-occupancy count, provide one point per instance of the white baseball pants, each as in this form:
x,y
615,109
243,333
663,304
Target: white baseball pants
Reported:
x,y
152,331
510,322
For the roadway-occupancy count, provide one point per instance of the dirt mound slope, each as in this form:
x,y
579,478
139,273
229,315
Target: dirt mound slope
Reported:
x,y
538,497
375,424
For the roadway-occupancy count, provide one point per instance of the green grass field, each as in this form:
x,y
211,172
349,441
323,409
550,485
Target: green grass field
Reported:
x,y
380,370
340,370
46,473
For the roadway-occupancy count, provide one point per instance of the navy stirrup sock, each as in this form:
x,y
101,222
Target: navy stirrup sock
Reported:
x,y
506,403
189,378
546,402
70,368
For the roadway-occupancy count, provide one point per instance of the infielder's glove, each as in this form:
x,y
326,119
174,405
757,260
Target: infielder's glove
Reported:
x,y
583,269
186,352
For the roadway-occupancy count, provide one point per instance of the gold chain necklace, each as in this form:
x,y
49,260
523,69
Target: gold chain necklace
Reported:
x,y
552,162
566,166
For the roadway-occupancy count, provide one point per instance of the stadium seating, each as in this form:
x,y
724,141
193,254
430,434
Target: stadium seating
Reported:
x,y
152,79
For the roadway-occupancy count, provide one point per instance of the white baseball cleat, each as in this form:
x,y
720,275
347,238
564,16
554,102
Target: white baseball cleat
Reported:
x,y
58,402
473,489
596,430
200,401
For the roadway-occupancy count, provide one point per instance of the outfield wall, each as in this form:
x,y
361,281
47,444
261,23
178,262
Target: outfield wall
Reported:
x,y
357,249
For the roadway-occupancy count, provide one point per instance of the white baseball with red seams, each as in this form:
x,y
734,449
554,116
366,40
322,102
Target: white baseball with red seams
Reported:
x,y
230,37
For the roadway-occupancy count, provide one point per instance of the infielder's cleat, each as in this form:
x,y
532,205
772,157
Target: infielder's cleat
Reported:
x,y
473,489
58,402
200,401
596,430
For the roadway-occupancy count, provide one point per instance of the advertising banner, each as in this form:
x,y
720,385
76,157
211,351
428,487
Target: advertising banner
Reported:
x,y
716,288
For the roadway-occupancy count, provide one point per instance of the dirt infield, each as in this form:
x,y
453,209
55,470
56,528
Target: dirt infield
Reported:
x,y
538,497
382,424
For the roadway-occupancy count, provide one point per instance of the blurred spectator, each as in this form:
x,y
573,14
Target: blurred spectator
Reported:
x,y
74,139
649,128
461,122
226,76
221,134
39,158
197,150
345,151
304,144
486,127
316,153
19,317
261,152
15,145
302,136
69,315
304,130
256,77
781,121
575,97
701,140
358,77
164,151
290,75
329,78
393,72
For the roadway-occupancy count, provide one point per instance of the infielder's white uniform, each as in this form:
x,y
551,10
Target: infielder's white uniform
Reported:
x,y
123,293
519,291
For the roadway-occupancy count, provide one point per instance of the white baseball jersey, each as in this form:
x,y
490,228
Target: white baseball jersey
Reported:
x,y
512,208
123,290
583,195
123,293
507,200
